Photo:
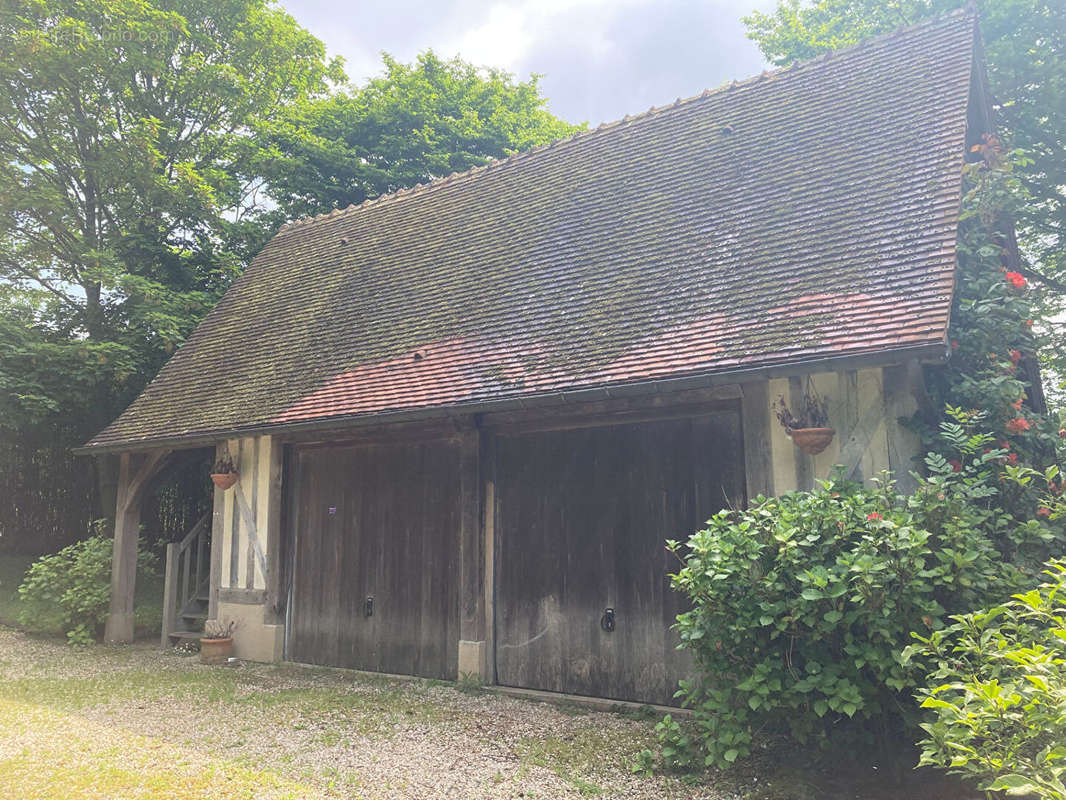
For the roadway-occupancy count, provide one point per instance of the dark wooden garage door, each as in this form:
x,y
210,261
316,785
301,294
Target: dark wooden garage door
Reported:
x,y
376,521
582,517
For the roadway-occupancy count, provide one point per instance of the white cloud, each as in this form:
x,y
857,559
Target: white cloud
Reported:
x,y
509,32
601,58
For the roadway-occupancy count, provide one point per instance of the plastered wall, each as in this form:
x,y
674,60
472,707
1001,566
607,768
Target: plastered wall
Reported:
x,y
868,440
246,515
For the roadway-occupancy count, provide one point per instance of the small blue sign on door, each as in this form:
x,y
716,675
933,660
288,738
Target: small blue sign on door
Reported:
x,y
332,510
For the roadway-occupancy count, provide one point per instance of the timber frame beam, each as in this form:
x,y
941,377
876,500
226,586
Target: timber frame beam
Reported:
x,y
136,471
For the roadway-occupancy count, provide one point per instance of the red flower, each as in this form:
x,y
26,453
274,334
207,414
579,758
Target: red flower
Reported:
x,y
1062,433
1015,279
1015,356
1017,404
1028,323
874,516
956,465
954,344
1013,458
1018,425
1043,512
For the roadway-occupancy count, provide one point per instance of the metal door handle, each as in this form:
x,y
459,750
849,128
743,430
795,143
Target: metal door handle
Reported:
x,y
607,620
368,606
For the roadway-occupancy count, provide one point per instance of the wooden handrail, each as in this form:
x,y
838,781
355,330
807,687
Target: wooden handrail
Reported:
x,y
184,576
194,531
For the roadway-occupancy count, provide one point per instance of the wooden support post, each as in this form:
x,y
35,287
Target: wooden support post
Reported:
x,y
235,530
851,448
488,539
218,515
275,607
804,467
119,628
253,523
472,627
170,594
904,393
135,473
758,453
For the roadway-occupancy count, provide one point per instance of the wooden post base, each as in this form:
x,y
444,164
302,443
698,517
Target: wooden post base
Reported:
x,y
119,629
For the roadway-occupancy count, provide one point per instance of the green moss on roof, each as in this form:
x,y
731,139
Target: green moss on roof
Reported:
x,y
655,247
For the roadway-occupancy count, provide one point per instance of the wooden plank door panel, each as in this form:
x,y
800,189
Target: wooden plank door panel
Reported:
x,y
381,521
582,516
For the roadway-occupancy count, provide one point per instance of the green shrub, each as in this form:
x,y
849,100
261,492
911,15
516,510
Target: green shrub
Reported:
x,y
76,581
802,604
997,690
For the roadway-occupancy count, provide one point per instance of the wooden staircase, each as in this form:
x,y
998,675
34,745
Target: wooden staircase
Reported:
x,y
187,584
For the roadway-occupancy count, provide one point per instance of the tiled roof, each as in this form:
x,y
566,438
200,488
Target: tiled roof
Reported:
x,y
806,213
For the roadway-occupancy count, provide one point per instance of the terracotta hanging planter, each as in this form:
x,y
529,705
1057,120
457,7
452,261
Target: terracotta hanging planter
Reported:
x,y
811,441
224,480
808,425
224,473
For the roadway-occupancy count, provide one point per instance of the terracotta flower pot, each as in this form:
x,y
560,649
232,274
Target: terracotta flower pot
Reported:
x,y
812,440
224,480
216,651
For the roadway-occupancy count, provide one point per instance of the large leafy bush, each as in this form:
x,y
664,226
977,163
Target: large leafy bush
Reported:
x,y
802,604
77,582
998,693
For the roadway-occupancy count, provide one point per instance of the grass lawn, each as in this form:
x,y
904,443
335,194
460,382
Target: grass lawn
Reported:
x,y
137,722
148,600
48,754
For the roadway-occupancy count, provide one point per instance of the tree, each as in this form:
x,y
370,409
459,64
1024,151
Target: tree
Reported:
x,y
414,123
127,198
1025,48
148,149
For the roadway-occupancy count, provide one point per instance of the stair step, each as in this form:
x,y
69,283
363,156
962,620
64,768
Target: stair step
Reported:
x,y
178,636
202,598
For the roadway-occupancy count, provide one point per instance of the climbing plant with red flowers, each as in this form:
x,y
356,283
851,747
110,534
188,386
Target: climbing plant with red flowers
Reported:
x,y
992,365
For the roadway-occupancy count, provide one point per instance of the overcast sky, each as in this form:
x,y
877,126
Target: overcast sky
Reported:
x,y
601,59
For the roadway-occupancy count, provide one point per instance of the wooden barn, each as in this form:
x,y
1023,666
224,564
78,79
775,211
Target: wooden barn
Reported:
x,y
467,415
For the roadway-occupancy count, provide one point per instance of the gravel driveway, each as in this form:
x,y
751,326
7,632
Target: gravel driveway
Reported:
x,y
162,725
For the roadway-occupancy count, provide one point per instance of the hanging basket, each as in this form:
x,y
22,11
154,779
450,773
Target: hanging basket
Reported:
x,y
811,441
224,480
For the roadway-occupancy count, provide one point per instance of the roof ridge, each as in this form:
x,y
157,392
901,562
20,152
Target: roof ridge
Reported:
x,y
768,74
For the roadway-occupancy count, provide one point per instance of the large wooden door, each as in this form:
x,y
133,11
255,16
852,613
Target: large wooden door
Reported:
x,y
374,582
582,516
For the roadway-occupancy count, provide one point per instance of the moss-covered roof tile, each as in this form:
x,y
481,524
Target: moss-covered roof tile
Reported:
x,y
807,213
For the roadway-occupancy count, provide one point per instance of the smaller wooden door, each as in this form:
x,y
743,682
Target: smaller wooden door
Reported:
x,y
583,601
375,558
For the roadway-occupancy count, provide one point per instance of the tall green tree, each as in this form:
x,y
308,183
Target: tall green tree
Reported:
x,y
413,123
125,156
127,194
148,148
1025,48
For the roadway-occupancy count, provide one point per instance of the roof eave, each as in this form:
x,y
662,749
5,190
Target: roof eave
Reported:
x,y
935,352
